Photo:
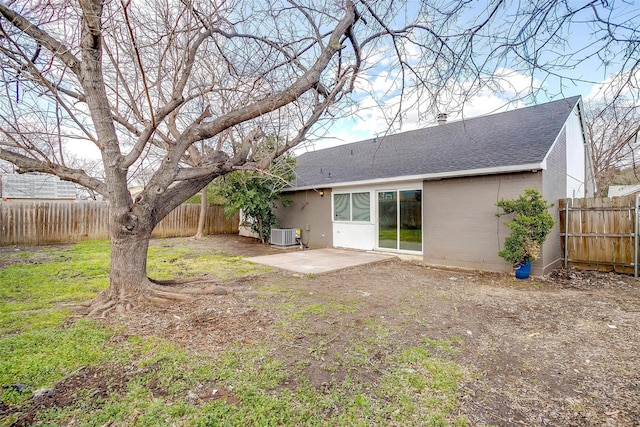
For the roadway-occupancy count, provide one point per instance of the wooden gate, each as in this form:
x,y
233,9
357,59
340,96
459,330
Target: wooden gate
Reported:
x,y
600,234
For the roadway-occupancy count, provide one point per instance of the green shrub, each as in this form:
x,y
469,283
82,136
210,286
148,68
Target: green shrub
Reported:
x,y
530,226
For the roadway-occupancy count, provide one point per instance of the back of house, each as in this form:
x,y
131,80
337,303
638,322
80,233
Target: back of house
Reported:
x,y
431,193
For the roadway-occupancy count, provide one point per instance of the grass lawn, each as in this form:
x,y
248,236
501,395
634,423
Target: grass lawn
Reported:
x,y
143,380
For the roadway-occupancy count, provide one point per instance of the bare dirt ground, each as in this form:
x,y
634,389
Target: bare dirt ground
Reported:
x,y
561,350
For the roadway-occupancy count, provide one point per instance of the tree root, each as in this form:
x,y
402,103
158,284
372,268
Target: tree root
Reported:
x,y
190,281
209,290
154,292
101,309
178,286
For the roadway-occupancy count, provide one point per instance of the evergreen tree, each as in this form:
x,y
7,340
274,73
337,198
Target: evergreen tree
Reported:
x,y
530,226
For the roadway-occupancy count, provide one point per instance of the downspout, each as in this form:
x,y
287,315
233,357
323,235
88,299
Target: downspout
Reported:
x,y
588,170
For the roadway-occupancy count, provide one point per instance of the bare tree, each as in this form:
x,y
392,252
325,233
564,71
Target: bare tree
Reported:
x,y
613,132
204,202
202,217
169,80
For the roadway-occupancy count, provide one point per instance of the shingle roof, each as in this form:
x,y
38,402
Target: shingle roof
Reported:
x,y
500,141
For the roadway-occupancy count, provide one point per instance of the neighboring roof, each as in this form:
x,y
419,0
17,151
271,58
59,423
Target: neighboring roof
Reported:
x,y
33,186
623,190
512,141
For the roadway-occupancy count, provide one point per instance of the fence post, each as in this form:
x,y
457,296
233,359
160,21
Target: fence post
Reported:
x,y
38,220
635,238
566,232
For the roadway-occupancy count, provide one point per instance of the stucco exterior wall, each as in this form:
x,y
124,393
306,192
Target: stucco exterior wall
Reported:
x,y
311,213
460,227
460,224
575,157
556,184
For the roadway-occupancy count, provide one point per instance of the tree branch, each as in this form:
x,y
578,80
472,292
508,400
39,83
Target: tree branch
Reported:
x,y
306,81
58,49
28,164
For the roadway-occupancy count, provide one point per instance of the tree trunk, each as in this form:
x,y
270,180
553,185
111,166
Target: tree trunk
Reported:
x,y
203,213
129,285
129,264
130,231
260,229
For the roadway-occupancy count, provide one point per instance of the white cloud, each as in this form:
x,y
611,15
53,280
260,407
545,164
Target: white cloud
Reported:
x,y
514,84
372,120
83,149
619,85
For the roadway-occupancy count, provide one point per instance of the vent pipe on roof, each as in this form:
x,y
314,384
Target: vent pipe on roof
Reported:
x,y
442,118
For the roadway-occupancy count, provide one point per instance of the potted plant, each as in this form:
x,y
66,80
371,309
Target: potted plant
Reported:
x,y
530,226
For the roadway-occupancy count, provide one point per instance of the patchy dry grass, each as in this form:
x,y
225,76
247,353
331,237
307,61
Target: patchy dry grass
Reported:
x,y
58,371
390,344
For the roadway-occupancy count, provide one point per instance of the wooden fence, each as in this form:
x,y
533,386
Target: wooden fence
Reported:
x,y
41,223
600,234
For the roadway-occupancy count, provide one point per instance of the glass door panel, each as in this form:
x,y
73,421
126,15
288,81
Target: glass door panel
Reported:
x,y
388,219
411,220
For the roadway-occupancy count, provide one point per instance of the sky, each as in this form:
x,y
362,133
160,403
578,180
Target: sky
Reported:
x,y
588,77
370,121
515,90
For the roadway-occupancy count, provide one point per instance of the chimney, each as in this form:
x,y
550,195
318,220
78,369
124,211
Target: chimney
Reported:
x,y
442,118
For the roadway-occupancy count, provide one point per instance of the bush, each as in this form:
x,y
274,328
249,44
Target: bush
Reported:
x,y
529,227
255,193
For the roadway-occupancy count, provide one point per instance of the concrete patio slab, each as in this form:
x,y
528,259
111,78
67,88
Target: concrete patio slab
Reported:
x,y
319,260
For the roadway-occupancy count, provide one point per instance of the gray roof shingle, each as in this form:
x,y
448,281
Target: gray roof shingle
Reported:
x,y
499,141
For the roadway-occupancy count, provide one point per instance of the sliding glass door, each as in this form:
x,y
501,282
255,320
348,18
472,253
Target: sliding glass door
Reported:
x,y
388,219
400,220
410,224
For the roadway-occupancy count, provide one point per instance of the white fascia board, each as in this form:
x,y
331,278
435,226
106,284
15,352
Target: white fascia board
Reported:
x,y
530,167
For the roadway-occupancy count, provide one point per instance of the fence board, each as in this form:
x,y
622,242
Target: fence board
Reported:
x,y
599,234
41,223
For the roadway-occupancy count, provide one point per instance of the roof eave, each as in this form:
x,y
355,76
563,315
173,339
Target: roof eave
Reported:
x,y
529,167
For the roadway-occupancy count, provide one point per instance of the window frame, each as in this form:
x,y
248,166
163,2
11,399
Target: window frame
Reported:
x,y
351,207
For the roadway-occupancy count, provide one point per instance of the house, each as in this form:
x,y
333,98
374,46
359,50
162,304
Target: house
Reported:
x,y
431,193
623,190
32,186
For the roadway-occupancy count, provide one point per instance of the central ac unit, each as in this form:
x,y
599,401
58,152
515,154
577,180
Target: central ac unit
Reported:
x,y
284,236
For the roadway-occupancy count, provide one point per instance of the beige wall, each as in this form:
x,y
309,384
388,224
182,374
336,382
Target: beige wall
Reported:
x,y
460,224
554,187
311,213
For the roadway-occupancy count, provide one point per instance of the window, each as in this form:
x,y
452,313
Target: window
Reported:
x,y
360,206
352,207
341,210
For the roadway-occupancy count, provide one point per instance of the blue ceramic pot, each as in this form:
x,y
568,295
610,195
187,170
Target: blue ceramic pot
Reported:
x,y
523,270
